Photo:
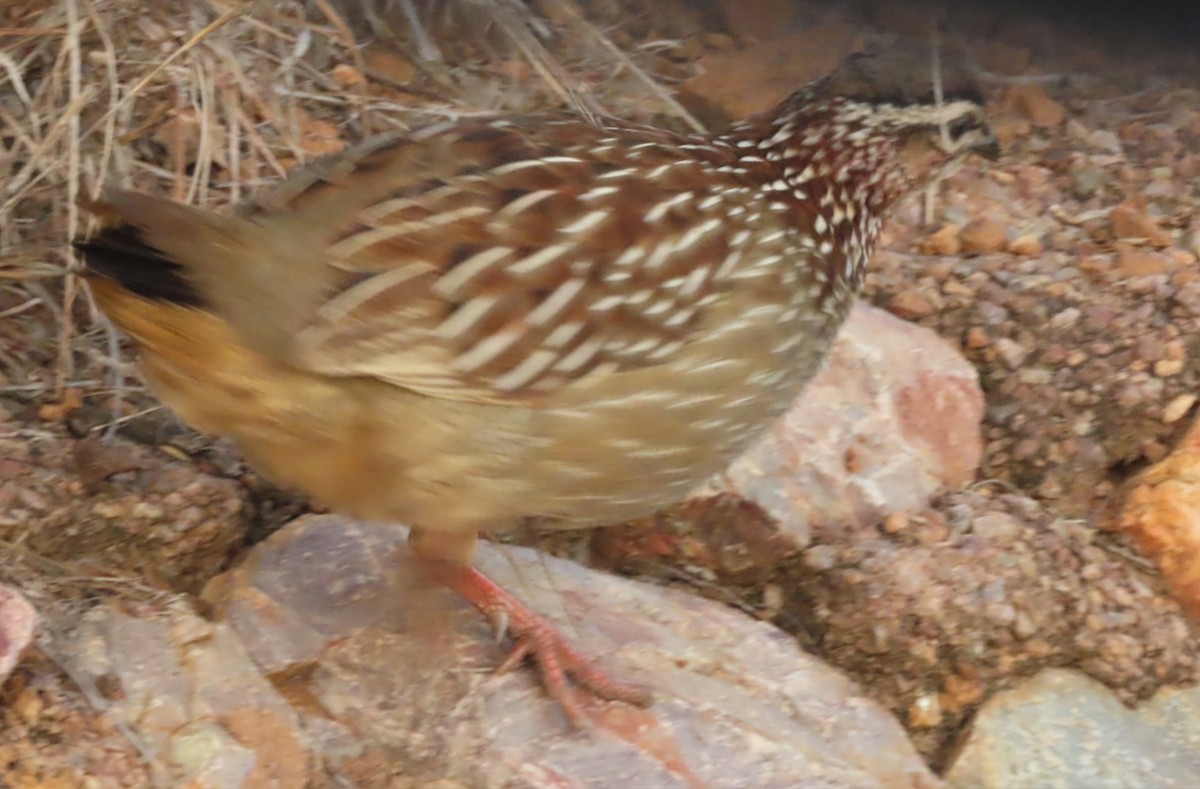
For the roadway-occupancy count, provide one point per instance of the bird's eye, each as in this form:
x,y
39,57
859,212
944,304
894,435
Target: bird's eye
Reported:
x,y
960,126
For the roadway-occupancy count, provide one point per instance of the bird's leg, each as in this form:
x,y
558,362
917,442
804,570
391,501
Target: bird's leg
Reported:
x,y
535,637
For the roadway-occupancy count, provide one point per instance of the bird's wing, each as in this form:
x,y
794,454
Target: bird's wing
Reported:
x,y
495,263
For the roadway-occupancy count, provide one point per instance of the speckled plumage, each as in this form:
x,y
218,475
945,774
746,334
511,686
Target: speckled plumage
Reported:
x,y
488,320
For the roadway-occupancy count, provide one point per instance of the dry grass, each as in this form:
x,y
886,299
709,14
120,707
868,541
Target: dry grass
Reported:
x,y
207,100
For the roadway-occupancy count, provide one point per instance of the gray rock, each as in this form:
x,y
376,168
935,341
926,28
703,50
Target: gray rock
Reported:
x,y
187,694
331,654
1064,729
407,669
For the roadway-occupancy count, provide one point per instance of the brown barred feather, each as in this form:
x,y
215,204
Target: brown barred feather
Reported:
x,y
533,316
489,320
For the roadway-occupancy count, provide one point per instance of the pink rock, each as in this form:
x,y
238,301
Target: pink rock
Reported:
x,y
400,675
892,420
17,623
332,660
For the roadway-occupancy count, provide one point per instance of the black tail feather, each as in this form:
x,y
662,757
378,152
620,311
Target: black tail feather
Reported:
x,y
121,254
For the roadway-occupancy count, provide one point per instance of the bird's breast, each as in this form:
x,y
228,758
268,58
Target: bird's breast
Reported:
x,y
635,442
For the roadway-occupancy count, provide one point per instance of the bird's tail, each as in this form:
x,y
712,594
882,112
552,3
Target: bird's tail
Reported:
x,y
263,276
154,247
145,279
120,253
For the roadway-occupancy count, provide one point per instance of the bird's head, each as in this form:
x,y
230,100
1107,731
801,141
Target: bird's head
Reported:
x,y
930,108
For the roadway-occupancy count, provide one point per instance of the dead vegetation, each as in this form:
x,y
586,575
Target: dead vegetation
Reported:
x,y
206,102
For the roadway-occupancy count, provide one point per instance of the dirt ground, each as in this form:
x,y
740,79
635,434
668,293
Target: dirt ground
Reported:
x,y
1068,277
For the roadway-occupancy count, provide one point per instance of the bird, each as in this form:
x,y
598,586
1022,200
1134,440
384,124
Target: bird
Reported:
x,y
495,320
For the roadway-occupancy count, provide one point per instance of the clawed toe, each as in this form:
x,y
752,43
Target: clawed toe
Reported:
x,y
564,670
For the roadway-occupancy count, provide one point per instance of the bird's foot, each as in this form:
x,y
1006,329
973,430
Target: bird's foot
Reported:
x,y
539,640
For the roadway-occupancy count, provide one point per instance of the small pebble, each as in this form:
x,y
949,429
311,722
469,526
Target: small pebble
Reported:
x,y
982,236
925,712
1012,353
1025,245
1167,368
977,338
1178,408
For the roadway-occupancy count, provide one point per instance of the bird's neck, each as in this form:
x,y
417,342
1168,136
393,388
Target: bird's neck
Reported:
x,y
831,146
833,167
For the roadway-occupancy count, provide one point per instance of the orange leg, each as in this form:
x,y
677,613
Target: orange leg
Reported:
x,y
558,662
536,638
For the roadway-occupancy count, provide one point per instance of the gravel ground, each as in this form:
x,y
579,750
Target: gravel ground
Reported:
x,y
1068,277
1073,288
940,609
52,738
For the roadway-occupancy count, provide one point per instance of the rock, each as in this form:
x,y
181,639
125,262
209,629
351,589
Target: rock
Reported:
x,y
892,420
1062,728
979,588
1011,352
1027,245
1167,368
197,705
386,670
1105,140
81,504
981,236
911,304
1181,257
1128,220
17,623
1162,512
333,659
1178,408
943,242
1065,319
977,338
1087,179
1031,103
1135,263
51,735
